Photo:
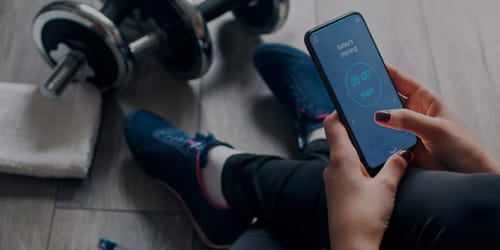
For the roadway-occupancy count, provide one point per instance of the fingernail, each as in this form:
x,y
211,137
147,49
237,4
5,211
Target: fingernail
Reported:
x,y
383,116
405,153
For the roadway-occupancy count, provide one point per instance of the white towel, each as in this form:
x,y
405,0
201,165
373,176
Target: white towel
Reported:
x,y
48,138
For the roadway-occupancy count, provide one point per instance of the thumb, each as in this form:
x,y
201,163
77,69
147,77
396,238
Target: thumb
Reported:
x,y
395,167
404,119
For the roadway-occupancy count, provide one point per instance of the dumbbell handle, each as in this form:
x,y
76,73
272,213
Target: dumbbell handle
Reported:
x,y
211,9
74,61
144,45
62,74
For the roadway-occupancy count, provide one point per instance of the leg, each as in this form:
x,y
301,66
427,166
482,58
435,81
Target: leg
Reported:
x,y
433,210
288,196
178,160
445,210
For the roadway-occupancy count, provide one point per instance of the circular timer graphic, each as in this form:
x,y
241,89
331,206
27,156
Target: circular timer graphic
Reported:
x,y
363,84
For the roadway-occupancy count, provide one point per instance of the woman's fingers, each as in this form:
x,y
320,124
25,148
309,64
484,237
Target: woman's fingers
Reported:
x,y
394,168
404,119
337,136
404,83
343,156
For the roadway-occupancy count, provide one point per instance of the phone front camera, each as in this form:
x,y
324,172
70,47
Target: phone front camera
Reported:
x,y
315,39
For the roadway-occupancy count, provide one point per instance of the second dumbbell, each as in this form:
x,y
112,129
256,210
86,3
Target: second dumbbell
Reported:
x,y
259,16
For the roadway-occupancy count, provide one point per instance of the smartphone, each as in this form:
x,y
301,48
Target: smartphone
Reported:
x,y
359,84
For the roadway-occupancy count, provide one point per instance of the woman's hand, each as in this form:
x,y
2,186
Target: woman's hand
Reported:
x,y
444,144
359,207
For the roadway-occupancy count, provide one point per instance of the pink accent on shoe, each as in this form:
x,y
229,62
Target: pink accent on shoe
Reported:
x,y
302,110
321,117
202,186
190,142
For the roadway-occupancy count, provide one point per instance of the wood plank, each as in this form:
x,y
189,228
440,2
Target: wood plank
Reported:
x,y
82,229
464,39
301,17
398,28
26,207
236,104
20,60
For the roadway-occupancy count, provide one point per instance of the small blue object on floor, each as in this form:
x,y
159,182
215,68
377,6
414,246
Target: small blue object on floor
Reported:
x,y
106,244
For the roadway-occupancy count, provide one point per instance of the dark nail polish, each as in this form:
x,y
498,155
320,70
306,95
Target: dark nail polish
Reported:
x,y
405,153
383,116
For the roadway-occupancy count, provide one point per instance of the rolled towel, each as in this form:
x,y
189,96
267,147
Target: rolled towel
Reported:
x,y
48,137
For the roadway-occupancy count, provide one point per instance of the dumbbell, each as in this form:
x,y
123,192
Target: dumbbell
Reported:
x,y
190,50
258,16
189,47
83,43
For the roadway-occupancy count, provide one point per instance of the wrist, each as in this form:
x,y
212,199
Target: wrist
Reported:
x,y
356,245
355,242
496,168
491,165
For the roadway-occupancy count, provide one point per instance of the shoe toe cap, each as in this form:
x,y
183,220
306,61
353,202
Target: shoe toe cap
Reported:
x,y
286,69
139,130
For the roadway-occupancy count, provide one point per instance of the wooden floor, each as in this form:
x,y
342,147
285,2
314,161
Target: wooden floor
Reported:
x,y
452,45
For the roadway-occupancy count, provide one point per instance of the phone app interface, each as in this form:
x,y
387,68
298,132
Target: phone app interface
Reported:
x,y
358,77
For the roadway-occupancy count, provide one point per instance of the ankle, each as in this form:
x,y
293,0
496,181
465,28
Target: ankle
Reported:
x,y
316,134
211,175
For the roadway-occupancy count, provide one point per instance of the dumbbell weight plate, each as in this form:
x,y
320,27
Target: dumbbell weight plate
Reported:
x,y
83,28
187,52
263,16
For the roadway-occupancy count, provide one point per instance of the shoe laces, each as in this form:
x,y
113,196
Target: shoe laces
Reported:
x,y
303,106
177,138
304,116
197,143
200,141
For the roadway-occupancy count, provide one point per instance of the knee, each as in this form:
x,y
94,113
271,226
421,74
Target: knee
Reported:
x,y
474,202
449,197
447,209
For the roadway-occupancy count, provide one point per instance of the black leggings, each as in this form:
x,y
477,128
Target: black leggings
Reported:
x,y
433,210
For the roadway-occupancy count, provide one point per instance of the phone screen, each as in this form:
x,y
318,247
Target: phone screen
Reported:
x,y
358,82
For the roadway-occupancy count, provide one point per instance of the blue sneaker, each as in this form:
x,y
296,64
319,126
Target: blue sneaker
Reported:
x,y
294,80
175,160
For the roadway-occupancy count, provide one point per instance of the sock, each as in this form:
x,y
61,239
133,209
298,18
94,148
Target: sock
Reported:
x,y
212,173
316,134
